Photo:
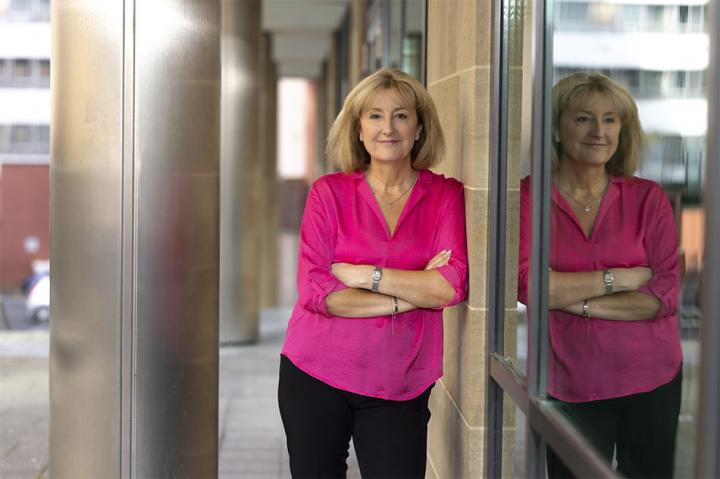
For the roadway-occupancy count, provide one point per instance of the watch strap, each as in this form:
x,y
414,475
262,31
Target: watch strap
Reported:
x,y
376,277
608,281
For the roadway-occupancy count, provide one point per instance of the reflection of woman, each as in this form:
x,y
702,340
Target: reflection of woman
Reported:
x,y
382,251
615,360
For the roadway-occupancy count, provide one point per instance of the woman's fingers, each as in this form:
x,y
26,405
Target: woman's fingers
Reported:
x,y
440,259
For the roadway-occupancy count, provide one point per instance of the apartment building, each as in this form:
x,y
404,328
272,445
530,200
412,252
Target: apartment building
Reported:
x,y
24,137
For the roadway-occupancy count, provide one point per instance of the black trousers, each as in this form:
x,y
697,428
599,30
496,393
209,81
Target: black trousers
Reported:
x,y
390,437
640,429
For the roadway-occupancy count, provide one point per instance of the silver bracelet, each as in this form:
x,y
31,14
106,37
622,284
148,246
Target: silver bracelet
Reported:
x,y
392,316
586,309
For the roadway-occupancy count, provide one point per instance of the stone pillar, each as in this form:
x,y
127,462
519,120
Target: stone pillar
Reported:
x,y
135,234
459,79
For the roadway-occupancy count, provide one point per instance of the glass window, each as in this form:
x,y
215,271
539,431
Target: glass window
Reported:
x,y
655,17
596,234
22,73
683,13
44,134
396,36
43,79
573,12
20,5
413,49
628,18
602,328
4,139
22,69
4,72
21,134
45,69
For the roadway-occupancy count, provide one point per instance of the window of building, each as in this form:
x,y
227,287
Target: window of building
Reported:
x,y
20,5
21,73
44,73
655,17
4,139
572,13
44,134
4,72
628,19
683,14
21,134
396,36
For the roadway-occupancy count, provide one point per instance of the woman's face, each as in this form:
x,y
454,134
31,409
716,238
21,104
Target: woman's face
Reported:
x,y
389,128
589,131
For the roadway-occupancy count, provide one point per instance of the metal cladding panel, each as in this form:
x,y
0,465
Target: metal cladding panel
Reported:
x,y
241,178
135,238
177,136
86,205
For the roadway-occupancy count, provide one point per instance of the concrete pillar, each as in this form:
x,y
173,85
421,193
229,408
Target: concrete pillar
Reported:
x,y
240,166
135,234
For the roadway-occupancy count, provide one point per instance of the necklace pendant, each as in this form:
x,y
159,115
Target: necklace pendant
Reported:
x,y
587,209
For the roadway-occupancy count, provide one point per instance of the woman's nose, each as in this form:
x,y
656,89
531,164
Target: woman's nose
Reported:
x,y
596,128
387,126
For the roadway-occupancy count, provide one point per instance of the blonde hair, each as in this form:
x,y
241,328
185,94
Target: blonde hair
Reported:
x,y
344,148
575,89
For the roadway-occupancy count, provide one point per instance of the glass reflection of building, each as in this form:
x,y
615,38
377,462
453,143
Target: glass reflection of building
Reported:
x,y
660,53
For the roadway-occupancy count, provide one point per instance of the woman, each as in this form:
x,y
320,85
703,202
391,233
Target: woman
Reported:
x,y
615,357
382,251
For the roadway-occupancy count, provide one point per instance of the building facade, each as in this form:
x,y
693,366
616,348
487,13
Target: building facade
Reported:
x,y
24,138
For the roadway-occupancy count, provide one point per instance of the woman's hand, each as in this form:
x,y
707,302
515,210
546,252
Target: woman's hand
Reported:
x,y
630,279
440,259
353,275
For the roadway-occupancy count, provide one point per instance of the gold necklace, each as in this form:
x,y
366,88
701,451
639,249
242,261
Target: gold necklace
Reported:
x,y
389,204
587,207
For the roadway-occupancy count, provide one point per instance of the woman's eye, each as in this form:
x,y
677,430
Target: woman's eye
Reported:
x,y
374,116
582,119
402,116
610,120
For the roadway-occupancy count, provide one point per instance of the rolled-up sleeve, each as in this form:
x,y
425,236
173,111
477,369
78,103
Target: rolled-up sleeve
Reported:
x,y
524,241
662,253
317,245
451,235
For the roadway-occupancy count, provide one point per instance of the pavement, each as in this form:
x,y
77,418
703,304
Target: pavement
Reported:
x,y
252,441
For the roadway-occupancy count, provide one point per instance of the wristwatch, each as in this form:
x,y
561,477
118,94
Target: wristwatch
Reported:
x,y
608,280
376,275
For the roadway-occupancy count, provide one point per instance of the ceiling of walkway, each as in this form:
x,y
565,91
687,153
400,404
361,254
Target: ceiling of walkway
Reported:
x,y
302,31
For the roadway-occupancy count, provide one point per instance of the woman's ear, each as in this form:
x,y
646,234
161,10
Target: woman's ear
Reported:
x,y
556,135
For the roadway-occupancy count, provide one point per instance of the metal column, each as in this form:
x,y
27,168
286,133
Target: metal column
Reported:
x,y
708,436
135,238
241,175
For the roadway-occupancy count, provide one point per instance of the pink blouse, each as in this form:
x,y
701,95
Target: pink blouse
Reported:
x,y
602,359
342,222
